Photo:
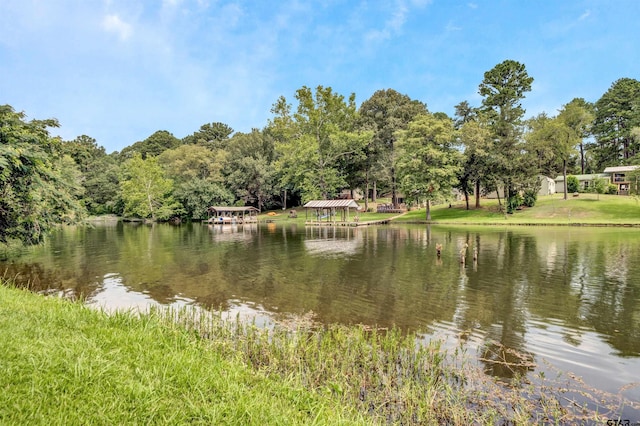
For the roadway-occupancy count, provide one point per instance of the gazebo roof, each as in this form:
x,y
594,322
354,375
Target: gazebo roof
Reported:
x,y
327,204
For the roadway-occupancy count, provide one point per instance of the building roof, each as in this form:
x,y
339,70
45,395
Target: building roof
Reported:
x,y
582,178
233,209
618,169
327,204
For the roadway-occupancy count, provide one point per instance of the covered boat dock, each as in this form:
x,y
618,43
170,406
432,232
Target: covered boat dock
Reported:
x,y
232,215
330,212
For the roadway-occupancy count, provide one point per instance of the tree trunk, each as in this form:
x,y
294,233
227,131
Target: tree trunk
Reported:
x,y
394,197
466,198
428,209
375,192
582,157
366,193
564,174
478,194
499,203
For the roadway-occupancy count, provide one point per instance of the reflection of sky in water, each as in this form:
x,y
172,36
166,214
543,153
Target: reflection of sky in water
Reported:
x,y
229,233
332,248
558,350
115,296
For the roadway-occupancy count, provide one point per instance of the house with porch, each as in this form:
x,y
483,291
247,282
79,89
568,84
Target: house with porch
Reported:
x,y
620,177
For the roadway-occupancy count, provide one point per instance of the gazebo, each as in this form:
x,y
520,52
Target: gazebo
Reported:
x,y
326,211
232,215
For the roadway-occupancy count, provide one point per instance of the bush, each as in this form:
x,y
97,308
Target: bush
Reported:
x,y
572,184
530,197
513,203
612,189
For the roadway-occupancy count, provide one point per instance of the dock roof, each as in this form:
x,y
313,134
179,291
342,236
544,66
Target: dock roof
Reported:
x,y
233,209
327,204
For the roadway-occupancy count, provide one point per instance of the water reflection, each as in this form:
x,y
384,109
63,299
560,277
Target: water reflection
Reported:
x,y
571,294
330,241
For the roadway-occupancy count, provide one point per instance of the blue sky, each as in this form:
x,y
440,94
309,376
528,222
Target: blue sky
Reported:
x,y
119,70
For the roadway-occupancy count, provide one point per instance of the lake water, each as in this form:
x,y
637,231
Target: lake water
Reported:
x,y
541,298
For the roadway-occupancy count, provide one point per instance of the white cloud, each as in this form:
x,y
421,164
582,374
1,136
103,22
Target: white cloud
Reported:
x,y
392,26
113,24
585,15
452,27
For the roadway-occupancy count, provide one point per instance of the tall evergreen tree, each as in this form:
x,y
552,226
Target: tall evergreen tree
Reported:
x,y
617,112
503,89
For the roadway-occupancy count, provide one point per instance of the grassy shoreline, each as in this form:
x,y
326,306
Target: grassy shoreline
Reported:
x,y
551,210
65,363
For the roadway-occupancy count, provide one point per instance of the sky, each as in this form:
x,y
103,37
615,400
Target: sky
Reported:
x,y
120,70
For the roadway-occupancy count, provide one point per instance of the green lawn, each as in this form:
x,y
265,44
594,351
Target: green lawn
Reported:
x,y
552,209
586,209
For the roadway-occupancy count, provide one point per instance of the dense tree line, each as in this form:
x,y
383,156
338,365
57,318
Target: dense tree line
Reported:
x,y
317,147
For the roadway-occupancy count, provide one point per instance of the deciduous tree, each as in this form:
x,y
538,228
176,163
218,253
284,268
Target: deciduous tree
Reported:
x,y
39,186
386,112
251,174
146,192
428,163
197,174
312,142
579,115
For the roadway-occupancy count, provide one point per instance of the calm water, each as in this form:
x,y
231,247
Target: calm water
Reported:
x,y
563,298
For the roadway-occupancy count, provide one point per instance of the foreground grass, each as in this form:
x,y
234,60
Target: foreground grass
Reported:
x,y
586,209
64,363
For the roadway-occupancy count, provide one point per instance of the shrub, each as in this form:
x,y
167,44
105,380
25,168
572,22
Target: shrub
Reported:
x,y
513,203
572,184
612,189
530,197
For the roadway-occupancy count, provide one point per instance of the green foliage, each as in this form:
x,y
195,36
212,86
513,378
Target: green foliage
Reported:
x,y
197,173
39,186
145,190
612,189
599,186
250,172
530,197
197,195
312,143
428,162
99,174
211,135
617,112
152,146
385,113
578,115
476,138
503,89
572,184
514,202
